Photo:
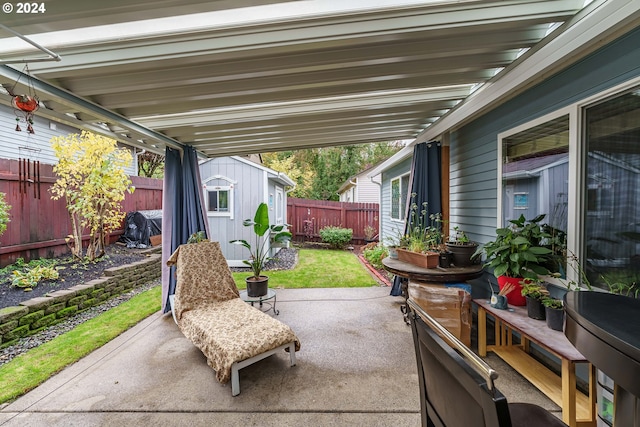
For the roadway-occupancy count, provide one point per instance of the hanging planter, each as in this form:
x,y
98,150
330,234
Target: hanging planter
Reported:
x,y
26,103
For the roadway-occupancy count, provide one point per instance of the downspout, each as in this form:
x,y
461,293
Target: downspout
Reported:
x,y
379,184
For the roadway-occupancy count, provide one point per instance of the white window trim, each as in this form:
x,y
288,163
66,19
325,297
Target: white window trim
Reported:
x,y
576,201
402,208
206,188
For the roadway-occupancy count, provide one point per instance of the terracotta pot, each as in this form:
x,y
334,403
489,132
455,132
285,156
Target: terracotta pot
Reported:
x,y
428,260
257,288
515,296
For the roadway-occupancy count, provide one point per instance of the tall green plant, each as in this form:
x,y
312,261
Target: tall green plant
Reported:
x,y
263,232
92,180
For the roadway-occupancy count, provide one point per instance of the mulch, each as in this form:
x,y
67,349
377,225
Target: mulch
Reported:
x,y
71,271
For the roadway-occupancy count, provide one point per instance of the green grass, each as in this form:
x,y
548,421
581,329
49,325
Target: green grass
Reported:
x,y
318,269
32,368
315,269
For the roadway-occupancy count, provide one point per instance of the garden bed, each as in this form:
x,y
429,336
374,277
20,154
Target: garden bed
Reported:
x,y
71,272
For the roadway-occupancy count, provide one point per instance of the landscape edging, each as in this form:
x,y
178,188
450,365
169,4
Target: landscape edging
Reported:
x,y
33,315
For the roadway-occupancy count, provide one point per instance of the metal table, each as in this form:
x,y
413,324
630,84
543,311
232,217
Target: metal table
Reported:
x,y
262,300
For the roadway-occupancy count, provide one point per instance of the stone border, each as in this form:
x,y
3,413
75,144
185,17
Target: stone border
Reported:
x,y
36,314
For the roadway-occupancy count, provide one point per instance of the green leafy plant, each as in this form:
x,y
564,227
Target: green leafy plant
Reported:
x,y
534,288
519,250
336,237
29,279
552,303
197,237
262,233
375,254
623,283
4,214
459,237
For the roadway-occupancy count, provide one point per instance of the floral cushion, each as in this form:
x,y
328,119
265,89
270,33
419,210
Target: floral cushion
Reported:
x,y
232,331
211,314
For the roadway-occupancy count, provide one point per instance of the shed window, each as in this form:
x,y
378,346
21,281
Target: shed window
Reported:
x,y
219,200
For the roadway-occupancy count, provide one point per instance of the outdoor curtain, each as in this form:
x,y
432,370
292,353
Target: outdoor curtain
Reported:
x,y
425,182
183,210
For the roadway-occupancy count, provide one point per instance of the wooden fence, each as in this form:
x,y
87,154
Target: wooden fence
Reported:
x,y
308,217
39,225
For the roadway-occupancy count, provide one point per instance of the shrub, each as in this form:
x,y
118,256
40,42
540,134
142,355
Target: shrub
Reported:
x,y
374,255
335,236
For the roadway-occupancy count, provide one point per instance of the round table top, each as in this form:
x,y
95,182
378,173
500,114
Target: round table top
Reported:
x,y
245,297
434,275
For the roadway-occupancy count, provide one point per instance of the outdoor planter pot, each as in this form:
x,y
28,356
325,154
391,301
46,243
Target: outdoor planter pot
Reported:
x,y
462,253
515,296
426,260
555,318
535,308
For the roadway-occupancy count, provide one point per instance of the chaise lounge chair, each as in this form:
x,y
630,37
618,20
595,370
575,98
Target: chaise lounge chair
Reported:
x,y
208,310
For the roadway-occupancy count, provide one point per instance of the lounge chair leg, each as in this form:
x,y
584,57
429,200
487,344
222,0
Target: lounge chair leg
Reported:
x,y
292,353
235,380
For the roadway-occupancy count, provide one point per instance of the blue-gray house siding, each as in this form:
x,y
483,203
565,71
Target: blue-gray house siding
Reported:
x,y
473,147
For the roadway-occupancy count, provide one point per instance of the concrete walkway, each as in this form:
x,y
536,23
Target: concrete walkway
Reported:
x,y
356,367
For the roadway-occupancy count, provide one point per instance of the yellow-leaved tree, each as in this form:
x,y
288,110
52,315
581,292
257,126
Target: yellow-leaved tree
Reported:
x,y
92,179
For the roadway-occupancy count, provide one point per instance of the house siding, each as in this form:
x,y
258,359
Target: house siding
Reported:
x,y
388,226
473,155
366,191
36,146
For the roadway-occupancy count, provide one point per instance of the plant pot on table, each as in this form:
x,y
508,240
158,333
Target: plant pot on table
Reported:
x,y
515,296
535,308
555,318
257,287
424,260
462,253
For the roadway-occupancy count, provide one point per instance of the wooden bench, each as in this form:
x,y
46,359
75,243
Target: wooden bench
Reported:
x,y
578,409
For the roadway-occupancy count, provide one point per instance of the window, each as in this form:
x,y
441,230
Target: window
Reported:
x,y
219,200
580,167
535,177
399,193
612,193
535,173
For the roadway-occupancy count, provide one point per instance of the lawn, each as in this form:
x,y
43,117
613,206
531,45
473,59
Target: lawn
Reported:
x,y
318,269
315,269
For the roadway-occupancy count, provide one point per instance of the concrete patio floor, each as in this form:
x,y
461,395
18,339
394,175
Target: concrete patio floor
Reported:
x,y
356,367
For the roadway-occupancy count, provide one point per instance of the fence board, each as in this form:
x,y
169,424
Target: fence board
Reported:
x,y
38,226
308,217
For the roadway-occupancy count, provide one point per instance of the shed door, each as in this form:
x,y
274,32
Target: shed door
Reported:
x,y
279,205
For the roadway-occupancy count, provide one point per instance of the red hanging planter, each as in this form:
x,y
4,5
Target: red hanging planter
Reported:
x,y
25,103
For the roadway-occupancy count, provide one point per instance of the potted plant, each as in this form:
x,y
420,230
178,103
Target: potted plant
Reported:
x,y
423,237
534,292
258,284
518,252
462,248
554,313
369,233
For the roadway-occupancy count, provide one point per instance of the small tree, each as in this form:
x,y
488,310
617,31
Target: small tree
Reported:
x,y
92,180
4,214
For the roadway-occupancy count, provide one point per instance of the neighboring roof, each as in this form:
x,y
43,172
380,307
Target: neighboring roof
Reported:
x,y
284,76
349,182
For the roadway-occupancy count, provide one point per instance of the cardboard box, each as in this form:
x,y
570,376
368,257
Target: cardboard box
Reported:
x,y
156,240
451,307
